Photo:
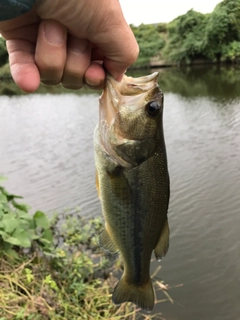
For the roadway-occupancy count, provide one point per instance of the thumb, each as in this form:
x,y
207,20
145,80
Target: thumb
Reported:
x,y
119,54
116,41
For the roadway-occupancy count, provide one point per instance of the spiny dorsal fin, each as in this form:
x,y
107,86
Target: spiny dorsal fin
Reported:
x,y
163,242
106,242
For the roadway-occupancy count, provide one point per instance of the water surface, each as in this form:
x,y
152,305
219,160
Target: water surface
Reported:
x,y
47,153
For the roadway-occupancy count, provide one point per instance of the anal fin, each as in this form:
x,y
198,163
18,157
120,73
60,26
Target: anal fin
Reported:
x,y
106,242
163,242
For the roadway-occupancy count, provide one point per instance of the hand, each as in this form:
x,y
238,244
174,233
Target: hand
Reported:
x,y
71,42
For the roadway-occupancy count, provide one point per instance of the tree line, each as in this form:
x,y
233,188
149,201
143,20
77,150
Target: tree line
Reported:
x,y
214,36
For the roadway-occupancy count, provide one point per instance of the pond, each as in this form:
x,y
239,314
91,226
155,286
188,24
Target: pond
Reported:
x,y
46,151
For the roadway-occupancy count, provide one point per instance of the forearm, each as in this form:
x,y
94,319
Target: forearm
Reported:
x,y
10,9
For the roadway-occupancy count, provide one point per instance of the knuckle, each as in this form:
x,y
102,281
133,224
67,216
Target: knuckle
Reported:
x,y
46,65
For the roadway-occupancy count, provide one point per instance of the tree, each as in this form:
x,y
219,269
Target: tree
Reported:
x,y
222,28
185,37
149,40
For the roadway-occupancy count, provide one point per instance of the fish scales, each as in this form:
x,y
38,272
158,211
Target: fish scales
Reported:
x,y
133,181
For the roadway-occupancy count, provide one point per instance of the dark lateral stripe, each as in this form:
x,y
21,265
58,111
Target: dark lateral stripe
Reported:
x,y
138,229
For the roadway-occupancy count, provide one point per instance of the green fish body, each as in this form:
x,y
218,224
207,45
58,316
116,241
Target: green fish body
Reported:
x,y
133,182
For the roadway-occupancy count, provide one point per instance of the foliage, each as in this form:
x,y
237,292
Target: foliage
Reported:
x,y
194,35
231,52
149,40
63,277
5,71
3,52
223,28
18,228
161,27
185,37
215,82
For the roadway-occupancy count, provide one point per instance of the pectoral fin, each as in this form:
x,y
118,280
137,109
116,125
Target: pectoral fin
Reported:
x,y
163,242
106,242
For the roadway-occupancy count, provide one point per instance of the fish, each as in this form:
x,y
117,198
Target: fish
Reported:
x,y
132,181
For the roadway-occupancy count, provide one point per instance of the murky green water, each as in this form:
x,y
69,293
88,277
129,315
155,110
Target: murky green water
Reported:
x,y
46,151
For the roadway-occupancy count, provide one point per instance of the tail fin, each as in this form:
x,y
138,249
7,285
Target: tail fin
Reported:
x,y
142,296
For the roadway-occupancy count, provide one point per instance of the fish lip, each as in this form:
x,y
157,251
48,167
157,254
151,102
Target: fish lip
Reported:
x,y
117,94
138,80
130,86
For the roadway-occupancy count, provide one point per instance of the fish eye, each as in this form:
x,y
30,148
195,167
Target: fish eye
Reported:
x,y
153,108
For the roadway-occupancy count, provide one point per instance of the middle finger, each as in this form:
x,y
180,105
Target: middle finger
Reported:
x,y
78,60
50,55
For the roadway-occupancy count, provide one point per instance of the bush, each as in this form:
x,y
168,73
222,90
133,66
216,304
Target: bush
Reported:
x,y
222,29
195,35
185,37
149,40
231,52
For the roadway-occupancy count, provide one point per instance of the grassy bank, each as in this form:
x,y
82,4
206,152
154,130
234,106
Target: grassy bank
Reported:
x,y
9,88
54,269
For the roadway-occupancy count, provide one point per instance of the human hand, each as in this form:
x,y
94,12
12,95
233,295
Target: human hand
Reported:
x,y
71,42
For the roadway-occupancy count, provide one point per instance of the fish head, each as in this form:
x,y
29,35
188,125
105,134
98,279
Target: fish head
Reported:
x,y
131,118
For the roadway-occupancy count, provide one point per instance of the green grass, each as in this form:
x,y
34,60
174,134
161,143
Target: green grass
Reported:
x,y
60,273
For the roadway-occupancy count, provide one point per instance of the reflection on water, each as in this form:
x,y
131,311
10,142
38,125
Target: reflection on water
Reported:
x,y
203,138
215,82
46,151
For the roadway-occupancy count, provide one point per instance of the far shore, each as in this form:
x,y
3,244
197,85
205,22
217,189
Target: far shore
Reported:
x,y
153,63
158,63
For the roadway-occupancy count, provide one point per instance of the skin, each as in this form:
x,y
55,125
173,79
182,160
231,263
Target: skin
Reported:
x,y
70,42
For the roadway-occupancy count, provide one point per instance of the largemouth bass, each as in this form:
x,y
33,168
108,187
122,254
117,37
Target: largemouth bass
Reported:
x,y
132,181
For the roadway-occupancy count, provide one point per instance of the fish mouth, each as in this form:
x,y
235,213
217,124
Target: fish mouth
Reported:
x,y
132,86
130,92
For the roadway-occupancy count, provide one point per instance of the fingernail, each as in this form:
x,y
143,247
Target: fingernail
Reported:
x,y
93,83
54,32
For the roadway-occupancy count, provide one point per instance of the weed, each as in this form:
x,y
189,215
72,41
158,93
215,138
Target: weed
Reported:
x,y
55,269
